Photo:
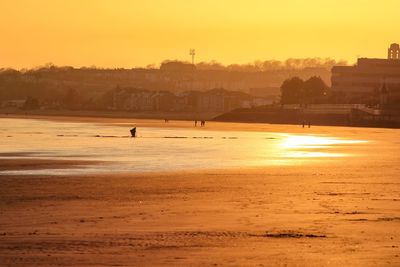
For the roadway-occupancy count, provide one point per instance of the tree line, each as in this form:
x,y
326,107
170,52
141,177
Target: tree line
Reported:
x,y
267,65
298,91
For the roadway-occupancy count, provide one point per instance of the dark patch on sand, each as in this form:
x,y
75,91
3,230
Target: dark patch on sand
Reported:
x,y
42,164
112,136
293,235
381,219
341,193
388,219
20,154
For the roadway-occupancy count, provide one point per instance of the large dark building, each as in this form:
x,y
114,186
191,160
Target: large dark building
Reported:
x,y
368,75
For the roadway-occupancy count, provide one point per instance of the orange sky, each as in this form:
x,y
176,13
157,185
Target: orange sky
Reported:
x,y
129,33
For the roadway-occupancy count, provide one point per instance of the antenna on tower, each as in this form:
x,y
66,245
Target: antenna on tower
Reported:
x,y
192,52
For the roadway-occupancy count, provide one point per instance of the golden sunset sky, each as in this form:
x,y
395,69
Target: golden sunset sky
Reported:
x,y
129,33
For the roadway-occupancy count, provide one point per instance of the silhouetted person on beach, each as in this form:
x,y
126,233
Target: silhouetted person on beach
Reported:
x,y
195,123
133,132
203,123
309,124
304,124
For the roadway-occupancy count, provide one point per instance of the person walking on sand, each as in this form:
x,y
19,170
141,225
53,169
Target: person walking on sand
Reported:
x,y
133,132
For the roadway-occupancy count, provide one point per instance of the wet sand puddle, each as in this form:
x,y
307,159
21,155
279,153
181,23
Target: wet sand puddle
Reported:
x,y
157,148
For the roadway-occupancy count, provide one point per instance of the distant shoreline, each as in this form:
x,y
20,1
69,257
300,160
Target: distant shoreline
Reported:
x,y
189,116
288,117
258,123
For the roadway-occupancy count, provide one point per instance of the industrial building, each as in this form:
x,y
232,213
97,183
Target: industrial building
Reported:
x,y
369,75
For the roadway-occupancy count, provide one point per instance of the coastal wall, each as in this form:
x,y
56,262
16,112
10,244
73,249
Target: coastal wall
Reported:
x,y
353,117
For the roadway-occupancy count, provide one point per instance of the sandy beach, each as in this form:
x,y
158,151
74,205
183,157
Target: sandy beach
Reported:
x,y
275,217
255,133
343,212
184,123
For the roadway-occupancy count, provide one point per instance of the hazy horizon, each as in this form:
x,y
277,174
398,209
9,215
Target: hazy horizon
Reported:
x,y
131,34
199,133
273,64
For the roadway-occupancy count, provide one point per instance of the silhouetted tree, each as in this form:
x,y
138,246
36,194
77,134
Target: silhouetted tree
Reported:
x,y
314,90
297,91
291,91
273,65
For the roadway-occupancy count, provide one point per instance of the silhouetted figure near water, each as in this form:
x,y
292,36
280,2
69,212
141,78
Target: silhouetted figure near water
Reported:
x,y
195,123
166,120
309,124
133,132
304,124
203,123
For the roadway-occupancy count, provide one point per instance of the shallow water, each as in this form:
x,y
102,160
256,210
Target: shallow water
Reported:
x,y
163,148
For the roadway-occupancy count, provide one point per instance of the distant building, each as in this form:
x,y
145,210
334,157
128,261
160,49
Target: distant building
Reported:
x,y
394,51
368,75
18,103
221,100
215,100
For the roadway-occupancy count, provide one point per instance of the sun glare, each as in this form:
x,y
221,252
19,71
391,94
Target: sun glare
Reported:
x,y
299,146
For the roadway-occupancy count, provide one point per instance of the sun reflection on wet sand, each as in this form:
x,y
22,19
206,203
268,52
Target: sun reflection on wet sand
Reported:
x,y
305,146
161,148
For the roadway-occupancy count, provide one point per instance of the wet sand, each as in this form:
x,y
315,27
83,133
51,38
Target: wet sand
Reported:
x,y
275,216
210,125
336,212
10,164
